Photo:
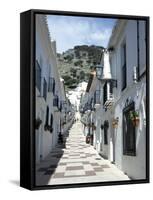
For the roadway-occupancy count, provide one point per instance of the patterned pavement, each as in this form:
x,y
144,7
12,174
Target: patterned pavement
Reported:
x,y
76,162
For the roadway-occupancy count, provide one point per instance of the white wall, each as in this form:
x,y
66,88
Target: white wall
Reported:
x,y
134,166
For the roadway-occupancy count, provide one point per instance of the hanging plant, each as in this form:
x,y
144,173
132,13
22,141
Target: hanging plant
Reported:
x,y
134,117
37,123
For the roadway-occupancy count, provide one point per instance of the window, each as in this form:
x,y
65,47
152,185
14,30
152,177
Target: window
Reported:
x,y
51,122
38,76
44,89
47,116
123,66
97,97
106,126
105,93
51,87
55,101
129,141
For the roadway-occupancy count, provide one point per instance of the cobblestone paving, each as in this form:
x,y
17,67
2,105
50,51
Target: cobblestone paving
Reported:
x,y
76,162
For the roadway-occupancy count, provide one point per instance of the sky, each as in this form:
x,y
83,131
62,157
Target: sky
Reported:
x,y
69,31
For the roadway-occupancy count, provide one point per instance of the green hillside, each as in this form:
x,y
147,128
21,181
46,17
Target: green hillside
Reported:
x,y
74,65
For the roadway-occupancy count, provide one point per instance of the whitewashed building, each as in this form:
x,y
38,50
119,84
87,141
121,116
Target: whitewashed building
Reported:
x,y
50,93
120,116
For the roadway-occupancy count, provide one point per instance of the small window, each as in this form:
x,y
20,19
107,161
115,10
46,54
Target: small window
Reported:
x,y
129,141
38,76
45,89
123,66
47,116
51,120
106,126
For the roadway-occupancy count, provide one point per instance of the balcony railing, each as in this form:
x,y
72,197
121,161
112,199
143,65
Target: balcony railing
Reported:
x,y
38,76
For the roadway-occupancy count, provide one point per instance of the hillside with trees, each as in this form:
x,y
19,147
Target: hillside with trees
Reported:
x,y
75,64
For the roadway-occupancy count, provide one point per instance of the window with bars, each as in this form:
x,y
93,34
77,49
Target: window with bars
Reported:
x,y
106,126
47,116
129,140
38,76
44,89
123,66
51,122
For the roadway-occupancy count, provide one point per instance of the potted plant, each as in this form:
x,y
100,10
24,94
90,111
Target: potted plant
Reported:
x,y
134,116
115,122
37,123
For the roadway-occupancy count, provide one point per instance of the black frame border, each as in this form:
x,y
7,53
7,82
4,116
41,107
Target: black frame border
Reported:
x,y
27,99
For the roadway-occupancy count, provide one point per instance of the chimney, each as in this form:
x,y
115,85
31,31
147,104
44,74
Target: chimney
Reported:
x,y
106,67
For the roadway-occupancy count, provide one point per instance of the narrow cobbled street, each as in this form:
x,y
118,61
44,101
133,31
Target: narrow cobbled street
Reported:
x,y
76,162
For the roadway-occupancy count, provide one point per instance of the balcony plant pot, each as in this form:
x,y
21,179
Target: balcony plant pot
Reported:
x,y
136,121
134,118
38,123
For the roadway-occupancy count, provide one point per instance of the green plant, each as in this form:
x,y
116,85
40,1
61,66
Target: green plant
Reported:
x,y
133,115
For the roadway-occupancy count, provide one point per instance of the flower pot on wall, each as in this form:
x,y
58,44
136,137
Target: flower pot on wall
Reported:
x,y
136,122
115,122
134,116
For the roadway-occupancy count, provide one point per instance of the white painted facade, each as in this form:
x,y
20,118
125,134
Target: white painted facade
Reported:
x,y
46,64
126,33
